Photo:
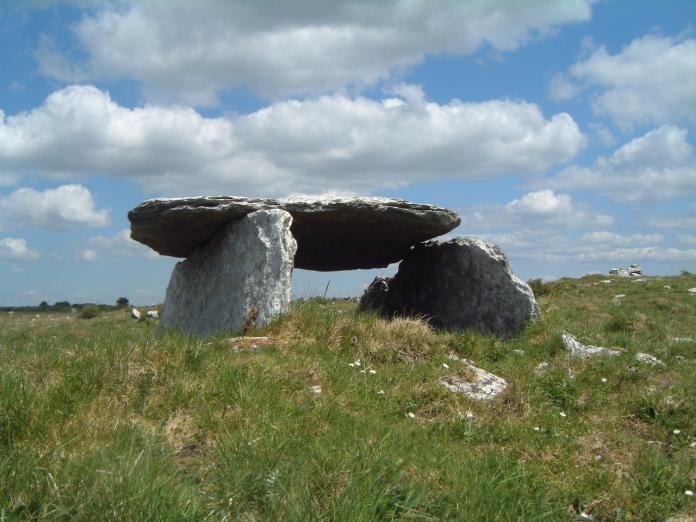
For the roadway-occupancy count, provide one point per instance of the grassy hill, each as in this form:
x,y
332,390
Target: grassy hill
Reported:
x,y
100,419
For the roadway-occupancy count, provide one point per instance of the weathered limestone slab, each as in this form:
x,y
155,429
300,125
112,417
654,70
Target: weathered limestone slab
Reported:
x,y
246,267
648,359
480,386
331,234
457,284
577,349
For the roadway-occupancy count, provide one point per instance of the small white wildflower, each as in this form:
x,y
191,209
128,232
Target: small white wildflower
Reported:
x,y
357,362
373,371
352,365
469,415
693,444
316,389
604,379
380,392
363,371
411,415
445,365
676,432
689,493
536,428
562,414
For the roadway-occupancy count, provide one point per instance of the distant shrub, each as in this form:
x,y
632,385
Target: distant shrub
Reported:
x,y
90,311
686,273
539,287
62,306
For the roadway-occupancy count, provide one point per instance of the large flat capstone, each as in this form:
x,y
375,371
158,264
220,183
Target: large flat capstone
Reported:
x,y
457,284
243,273
331,234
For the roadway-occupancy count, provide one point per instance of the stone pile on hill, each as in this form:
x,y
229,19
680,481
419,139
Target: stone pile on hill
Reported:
x,y
630,271
240,253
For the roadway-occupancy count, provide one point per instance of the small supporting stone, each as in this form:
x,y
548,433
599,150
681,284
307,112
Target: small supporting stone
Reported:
x,y
457,284
245,270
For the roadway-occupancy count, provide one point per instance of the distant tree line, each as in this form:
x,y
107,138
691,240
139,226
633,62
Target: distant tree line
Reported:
x,y
65,306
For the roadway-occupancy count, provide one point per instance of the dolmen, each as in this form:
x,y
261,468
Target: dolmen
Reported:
x,y
239,255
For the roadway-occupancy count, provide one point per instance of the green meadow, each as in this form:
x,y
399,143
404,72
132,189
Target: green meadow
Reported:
x,y
102,419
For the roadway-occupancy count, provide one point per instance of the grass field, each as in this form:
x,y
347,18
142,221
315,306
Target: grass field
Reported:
x,y
101,419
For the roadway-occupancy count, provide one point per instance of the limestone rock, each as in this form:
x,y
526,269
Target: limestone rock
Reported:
x,y
245,270
577,349
651,360
457,284
331,234
482,385
375,296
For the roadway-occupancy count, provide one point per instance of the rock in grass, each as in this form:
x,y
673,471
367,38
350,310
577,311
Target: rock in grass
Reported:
x,y
541,367
331,233
244,271
457,284
646,358
482,386
577,349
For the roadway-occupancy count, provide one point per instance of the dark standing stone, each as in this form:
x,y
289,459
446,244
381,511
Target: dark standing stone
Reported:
x,y
457,284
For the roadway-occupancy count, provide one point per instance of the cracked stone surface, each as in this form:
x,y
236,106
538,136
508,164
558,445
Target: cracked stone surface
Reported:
x,y
456,284
247,267
577,349
646,358
331,233
483,387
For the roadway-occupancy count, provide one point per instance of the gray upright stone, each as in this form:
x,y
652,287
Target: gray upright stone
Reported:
x,y
457,284
246,267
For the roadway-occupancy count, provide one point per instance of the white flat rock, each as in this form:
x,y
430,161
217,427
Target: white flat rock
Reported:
x,y
577,349
483,387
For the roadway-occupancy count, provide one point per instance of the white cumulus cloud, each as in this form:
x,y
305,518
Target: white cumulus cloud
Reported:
x,y
557,209
659,165
12,248
330,143
541,203
87,254
544,211
190,51
651,80
114,247
67,205
605,237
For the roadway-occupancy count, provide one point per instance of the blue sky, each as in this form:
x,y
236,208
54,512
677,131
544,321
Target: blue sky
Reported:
x,y
562,131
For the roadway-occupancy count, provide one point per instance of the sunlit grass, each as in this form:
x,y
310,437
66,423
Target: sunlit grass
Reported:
x,y
101,419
